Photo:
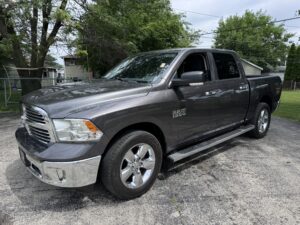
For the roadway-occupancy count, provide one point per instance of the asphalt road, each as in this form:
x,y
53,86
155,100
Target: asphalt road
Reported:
x,y
244,181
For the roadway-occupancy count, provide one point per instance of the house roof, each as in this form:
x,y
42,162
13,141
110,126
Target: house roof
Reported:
x,y
70,57
252,64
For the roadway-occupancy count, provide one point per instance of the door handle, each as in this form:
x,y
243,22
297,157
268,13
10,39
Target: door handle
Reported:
x,y
213,92
208,93
243,87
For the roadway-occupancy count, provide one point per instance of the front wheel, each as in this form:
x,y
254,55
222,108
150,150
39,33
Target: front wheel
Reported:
x,y
131,165
261,120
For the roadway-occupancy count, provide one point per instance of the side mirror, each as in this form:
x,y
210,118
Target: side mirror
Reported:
x,y
189,79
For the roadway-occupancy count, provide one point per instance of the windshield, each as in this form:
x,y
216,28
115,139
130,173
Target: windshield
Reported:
x,y
146,68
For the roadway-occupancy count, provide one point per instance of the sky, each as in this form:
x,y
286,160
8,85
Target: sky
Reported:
x,y
278,9
217,9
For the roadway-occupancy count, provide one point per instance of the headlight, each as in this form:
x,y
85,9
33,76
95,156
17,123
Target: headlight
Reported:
x,y
76,130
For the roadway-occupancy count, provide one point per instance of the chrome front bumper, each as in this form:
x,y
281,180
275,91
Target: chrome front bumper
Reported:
x,y
64,174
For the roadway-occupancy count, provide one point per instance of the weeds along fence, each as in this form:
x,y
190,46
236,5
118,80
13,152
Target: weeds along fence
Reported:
x,y
11,88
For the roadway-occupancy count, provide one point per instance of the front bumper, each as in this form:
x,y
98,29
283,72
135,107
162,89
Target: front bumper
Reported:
x,y
76,166
64,174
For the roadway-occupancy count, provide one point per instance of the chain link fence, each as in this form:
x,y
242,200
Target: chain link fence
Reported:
x,y
291,85
11,88
11,82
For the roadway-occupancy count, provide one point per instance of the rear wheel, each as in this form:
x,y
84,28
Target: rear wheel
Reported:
x,y
131,165
261,120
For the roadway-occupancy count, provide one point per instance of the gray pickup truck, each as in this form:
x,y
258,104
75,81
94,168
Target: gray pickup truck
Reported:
x,y
152,111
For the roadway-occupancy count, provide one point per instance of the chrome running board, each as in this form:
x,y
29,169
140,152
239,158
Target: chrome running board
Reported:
x,y
193,150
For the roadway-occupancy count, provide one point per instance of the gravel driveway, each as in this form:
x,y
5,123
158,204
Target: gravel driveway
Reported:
x,y
244,181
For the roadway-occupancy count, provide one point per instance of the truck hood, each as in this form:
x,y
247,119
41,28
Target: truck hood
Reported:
x,y
63,100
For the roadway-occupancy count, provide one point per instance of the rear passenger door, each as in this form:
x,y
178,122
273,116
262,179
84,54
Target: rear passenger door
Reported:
x,y
232,91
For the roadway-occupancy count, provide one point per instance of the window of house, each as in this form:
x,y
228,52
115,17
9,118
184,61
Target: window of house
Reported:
x,y
45,74
226,66
70,62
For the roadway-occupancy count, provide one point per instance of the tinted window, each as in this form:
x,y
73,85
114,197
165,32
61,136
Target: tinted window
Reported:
x,y
194,62
226,66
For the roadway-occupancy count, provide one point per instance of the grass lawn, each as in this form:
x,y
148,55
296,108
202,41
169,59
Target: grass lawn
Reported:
x,y
11,107
289,105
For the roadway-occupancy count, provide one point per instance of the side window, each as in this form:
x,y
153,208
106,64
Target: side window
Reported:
x,y
226,66
194,62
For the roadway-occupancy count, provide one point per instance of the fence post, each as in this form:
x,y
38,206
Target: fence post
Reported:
x,y
5,97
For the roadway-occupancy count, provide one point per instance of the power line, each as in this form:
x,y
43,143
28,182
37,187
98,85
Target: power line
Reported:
x,y
292,26
247,27
207,37
202,14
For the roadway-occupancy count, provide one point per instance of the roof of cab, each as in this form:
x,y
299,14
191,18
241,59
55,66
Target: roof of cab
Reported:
x,y
191,48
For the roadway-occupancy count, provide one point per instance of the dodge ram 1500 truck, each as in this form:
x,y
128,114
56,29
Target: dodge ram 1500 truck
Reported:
x,y
154,109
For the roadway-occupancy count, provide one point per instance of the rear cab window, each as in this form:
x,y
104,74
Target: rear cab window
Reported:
x,y
226,66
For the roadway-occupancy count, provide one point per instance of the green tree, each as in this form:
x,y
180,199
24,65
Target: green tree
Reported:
x,y
296,67
31,28
290,63
254,37
50,61
5,52
111,30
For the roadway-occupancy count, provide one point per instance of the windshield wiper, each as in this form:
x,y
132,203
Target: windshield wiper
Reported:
x,y
141,81
130,80
118,78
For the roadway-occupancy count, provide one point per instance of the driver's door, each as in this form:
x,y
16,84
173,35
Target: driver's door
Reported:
x,y
196,104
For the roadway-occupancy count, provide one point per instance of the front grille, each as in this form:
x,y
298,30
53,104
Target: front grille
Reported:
x,y
36,123
39,133
33,115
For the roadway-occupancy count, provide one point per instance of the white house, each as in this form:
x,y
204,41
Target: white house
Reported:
x,y
74,68
277,71
49,77
250,68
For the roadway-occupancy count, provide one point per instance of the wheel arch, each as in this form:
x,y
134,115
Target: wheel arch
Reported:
x,y
268,100
144,126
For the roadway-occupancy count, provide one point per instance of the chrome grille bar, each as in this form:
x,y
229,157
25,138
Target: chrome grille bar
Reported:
x,y
34,115
38,124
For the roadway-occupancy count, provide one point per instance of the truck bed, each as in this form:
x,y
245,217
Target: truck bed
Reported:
x,y
268,87
259,76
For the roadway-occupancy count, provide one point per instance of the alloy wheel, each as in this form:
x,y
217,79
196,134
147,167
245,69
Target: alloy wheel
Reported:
x,y
137,165
263,120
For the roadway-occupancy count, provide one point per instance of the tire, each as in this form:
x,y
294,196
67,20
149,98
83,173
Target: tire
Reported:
x,y
127,156
261,124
